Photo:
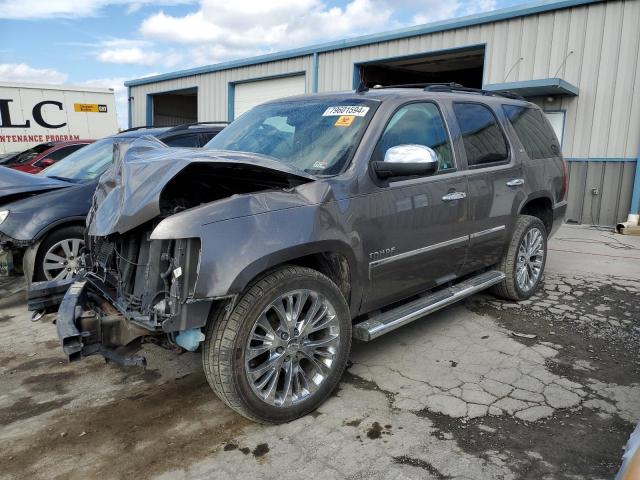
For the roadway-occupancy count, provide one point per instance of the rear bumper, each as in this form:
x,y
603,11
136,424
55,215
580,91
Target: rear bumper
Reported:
x,y
559,213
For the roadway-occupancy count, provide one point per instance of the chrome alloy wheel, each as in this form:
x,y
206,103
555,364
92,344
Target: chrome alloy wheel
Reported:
x,y
292,348
530,259
62,260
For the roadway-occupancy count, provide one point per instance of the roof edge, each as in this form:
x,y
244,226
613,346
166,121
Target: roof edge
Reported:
x,y
54,86
538,7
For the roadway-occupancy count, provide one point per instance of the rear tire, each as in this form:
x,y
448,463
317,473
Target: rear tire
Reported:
x,y
524,261
59,246
282,349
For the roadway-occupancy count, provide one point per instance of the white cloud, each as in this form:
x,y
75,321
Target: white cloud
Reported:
x,y
479,6
21,72
37,9
223,30
137,56
131,56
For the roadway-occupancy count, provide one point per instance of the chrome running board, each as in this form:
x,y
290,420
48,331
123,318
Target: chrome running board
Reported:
x,y
390,320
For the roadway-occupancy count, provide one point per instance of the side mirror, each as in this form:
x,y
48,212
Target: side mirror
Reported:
x,y
407,160
46,162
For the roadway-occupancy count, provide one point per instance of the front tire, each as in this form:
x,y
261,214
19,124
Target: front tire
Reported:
x,y
524,261
283,348
58,256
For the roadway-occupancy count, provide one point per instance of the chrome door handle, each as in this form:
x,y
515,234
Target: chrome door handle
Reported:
x,y
450,197
516,182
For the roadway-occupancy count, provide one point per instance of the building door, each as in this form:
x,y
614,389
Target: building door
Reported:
x,y
247,95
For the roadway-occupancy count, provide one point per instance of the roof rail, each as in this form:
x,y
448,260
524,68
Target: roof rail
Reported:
x,y
133,129
193,124
451,87
456,87
424,86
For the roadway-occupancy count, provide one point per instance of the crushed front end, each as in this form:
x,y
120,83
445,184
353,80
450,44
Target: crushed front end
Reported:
x,y
131,290
137,285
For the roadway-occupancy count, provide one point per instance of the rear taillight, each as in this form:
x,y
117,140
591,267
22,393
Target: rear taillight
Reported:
x,y
565,180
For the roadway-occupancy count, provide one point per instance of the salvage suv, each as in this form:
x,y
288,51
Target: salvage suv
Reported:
x,y
306,222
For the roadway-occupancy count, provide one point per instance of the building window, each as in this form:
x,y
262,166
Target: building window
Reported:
x,y
556,119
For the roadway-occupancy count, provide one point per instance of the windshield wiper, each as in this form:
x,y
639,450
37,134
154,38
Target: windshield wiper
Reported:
x,y
70,180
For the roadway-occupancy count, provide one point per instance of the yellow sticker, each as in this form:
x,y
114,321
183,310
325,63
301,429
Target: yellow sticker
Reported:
x,y
344,120
89,107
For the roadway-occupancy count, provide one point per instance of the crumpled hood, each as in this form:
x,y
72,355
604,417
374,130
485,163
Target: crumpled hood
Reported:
x,y
128,193
14,183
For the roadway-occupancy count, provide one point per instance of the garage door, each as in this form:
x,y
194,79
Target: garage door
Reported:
x,y
250,94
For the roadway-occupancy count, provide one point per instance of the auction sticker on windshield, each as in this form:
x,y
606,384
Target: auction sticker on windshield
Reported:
x,y
344,120
339,110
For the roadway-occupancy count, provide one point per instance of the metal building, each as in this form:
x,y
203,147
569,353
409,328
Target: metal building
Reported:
x,y
578,59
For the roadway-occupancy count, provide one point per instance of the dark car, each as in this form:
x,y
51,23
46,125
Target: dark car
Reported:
x,y
44,155
309,221
42,217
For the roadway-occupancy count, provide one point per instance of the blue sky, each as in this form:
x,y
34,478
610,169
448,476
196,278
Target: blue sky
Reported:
x,y
105,42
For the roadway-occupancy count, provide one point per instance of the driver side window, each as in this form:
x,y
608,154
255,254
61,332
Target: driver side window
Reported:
x,y
418,124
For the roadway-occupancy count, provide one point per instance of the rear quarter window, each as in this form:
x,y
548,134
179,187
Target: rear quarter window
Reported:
x,y
482,137
533,131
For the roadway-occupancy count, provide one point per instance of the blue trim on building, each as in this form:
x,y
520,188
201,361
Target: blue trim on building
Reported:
x,y
536,88
635,196
314,73
441,26
231,88
231,96
602,159
129,112
149,114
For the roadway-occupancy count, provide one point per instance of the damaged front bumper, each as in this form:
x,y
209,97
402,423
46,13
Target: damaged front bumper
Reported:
x,y
86,323
89,321
11,254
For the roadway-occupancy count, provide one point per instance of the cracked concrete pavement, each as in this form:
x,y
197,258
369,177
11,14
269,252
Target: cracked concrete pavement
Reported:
x,y
487,389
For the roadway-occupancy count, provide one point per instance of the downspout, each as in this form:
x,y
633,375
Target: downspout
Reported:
x,y
633,219
634,213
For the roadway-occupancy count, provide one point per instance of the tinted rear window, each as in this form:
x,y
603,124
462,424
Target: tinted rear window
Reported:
x,y
483,139
188,140
535,134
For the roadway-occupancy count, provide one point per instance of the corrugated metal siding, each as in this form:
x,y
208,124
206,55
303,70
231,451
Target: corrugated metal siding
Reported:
x,y
614,181
212,87
595,47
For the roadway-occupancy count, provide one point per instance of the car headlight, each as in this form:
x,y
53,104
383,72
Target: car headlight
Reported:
x,y
3,215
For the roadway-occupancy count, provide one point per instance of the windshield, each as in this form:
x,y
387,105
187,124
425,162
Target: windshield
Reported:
x,y
317,136
27,155
85,164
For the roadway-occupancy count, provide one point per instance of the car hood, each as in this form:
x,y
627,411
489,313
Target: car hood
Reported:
x,y
129,192
15,184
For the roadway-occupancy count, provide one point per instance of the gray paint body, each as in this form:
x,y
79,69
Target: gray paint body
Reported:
x,y
353,214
